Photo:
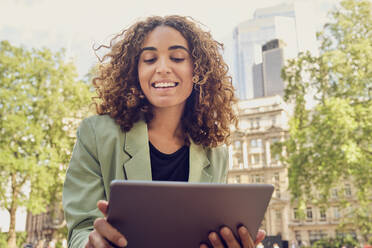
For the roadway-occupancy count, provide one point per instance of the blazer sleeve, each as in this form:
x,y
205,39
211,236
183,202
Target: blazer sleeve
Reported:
x,y
83,186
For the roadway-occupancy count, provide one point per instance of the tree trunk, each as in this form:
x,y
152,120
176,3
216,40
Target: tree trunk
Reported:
x,y
12,212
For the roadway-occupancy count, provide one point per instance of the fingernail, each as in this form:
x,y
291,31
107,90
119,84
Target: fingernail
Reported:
x,y
213,236
243,230
239,225
122,242
262,233
225,231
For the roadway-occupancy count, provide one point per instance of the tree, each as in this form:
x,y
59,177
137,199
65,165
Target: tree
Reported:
x,y
331,143
40,103
337,242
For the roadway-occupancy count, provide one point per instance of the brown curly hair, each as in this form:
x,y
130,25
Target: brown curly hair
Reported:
x,y
208,113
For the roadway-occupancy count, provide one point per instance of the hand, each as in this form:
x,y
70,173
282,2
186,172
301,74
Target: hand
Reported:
x,y
231,241
103,232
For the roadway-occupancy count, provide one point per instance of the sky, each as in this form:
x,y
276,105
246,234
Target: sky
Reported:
x,y
78,24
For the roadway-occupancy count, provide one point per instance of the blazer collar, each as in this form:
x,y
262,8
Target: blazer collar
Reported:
x,y
198,164
136,145
138,167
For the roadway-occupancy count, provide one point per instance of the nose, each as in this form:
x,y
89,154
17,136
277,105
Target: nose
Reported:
x,y
163,66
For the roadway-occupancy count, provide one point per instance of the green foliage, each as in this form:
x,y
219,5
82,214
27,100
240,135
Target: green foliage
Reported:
x,y
331,144
21,238
3,239
41,101
338,242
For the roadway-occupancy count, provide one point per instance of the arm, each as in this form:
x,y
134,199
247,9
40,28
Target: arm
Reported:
x,y
83,186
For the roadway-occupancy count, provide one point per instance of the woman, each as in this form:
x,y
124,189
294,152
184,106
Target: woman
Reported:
x,y
164,109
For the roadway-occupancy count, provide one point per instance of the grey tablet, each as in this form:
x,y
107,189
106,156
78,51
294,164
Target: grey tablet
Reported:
x,y
176,214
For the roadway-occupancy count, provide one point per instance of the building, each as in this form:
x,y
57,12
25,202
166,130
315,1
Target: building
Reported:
x,y
267,80
287,22
262,122
42,228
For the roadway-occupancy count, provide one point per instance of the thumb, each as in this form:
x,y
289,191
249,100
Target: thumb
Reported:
x,y
260,236
103,206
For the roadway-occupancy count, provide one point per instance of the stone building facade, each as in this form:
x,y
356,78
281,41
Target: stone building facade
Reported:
x,y
262,122
41,228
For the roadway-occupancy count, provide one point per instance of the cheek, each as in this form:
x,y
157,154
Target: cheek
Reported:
x,y
142,77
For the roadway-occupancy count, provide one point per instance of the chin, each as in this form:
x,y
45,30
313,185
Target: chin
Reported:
x,y
167,104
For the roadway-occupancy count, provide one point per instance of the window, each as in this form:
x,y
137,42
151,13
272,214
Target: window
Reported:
x,y
273,120
258,123
276,177
315,235
255,158
278,214
274,140
256,143
347,190
277,191
336,213
334,194
296,215
253,143
322,213
309,214
236,179
255,123
237,144
298,236
258,178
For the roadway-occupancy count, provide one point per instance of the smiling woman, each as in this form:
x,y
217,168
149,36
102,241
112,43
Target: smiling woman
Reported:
x,y
208,112
165,106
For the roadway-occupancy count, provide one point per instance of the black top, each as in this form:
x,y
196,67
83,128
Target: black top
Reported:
x,y
170,167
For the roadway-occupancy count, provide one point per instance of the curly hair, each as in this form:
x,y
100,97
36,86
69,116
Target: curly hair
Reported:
x,y
208,113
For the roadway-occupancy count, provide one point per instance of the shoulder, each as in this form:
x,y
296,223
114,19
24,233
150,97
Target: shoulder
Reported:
x,y
99,126
219,152
99,122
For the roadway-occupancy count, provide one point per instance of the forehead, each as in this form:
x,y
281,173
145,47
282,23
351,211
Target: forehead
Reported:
x,y
164,36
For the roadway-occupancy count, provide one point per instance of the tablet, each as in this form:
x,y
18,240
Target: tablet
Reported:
x,y
181,214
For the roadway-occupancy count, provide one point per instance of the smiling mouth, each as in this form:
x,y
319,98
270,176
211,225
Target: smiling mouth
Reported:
x,y
162,85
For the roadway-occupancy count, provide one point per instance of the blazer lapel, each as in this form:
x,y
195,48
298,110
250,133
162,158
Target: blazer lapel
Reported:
x,y
136,145
198,164
138,167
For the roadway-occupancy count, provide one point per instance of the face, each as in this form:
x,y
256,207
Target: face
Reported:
x,y
165,68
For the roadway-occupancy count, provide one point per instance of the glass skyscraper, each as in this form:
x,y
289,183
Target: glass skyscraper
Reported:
x,y
287,22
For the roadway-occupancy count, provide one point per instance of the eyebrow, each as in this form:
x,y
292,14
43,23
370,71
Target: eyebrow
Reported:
x,y
169,49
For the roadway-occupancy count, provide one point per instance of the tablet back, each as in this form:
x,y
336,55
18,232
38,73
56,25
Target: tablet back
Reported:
x,y
176,214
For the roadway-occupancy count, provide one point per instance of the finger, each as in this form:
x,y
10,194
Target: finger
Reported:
x,y
215,240
260,236
96,240
88,245
229,238
103,206
245,237
109,232
203,246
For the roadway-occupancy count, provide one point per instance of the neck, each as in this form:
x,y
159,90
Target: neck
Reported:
x,y
167,123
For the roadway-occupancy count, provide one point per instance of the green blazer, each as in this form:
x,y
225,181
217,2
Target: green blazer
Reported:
x,y
103,153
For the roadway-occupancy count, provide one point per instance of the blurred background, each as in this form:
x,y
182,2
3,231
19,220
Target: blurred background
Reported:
x,y
302,73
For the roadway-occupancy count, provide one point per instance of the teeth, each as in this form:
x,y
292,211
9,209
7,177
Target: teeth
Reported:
x,y
164,85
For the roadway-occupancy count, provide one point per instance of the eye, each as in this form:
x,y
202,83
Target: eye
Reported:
x,y
149,61
177,60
